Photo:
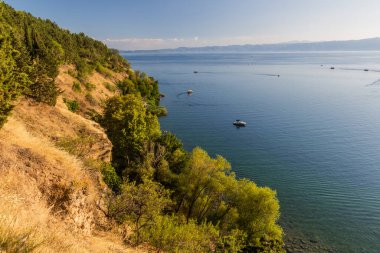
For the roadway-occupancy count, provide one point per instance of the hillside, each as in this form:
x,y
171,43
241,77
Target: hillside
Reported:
x,y
49,195
85,166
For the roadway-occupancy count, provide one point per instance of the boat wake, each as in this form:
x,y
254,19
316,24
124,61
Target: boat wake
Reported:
x,y
276,75
375,83
181,94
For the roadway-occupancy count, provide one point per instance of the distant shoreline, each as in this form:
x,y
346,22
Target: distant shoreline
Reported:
x,y
371,44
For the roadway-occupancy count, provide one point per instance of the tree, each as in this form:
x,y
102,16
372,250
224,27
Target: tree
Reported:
x,y
129,128
258,210
170,234
140,204
13,74
198,181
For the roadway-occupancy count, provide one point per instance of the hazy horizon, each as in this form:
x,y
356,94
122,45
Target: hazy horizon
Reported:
x,y
146,25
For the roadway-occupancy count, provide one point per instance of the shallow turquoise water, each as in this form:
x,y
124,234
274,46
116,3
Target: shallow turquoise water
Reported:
x,y
313,133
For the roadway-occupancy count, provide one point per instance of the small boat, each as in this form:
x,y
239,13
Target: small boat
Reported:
x,y
332,68
189,92
195,71
239,123
366,69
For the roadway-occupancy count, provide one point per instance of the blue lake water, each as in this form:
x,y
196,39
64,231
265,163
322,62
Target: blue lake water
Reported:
x,y
313,134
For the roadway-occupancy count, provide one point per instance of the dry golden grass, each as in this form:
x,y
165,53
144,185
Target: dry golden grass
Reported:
x,y
48,197
57,123
24,219
26,223
99,94
32,170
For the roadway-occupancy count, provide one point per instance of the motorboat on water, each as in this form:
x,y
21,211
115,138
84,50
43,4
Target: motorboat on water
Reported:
x,y
239,123
189,92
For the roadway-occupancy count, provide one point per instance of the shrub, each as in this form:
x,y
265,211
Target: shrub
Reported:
x,y
80,145
157,110
167,233
72,73
90,86
45,92
139,205
77,87
94,115
110,177
102,70
110,87
72,105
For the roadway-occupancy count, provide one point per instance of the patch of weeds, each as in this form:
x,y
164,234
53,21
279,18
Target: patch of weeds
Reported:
x,y
94,115
90,86
77,87
72,73
80,145
110,87
72,105
110,177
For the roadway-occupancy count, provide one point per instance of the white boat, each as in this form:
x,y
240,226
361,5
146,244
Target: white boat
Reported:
x,y
239,123
189,91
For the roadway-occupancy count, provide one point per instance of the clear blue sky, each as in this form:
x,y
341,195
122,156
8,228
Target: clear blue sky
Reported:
x,y
148,24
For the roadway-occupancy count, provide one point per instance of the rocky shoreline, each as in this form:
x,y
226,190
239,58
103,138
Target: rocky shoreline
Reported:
x,y
302,245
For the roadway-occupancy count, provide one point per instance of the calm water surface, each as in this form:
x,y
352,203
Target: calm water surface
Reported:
x,y
313,134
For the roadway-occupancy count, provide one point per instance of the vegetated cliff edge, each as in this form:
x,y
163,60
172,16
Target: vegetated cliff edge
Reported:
x,y
51,189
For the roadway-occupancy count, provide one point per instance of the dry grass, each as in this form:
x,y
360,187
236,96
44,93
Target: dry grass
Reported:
x,y
49,197
56,124
99,94
24,219
35,215
26,223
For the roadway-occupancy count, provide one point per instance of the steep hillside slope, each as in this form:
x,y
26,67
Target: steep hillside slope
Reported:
x,y
51,199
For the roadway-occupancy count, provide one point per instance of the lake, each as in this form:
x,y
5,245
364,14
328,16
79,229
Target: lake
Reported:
x,y
312,134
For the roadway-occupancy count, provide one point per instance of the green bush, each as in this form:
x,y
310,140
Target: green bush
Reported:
x,y
90,86
13,75
72,105
77,87
139,205
110,87
110,177
157,110
168,234
102,70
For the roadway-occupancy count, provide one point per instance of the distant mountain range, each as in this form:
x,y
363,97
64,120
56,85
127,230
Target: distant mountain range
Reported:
x,y
372,44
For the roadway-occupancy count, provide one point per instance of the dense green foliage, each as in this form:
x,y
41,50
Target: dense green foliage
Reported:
x,y
131,129
13,73
72,105
31,50
208,209
141,83
110,177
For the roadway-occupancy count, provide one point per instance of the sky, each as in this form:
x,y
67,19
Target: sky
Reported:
x,y
157,24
